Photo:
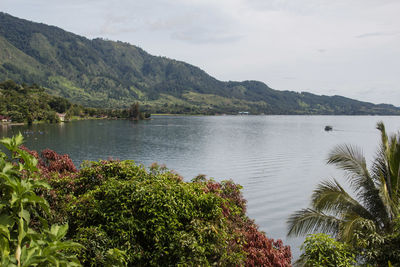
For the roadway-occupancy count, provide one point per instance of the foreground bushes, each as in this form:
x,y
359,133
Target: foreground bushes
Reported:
x,y
122,213
23,241
322,250
156,218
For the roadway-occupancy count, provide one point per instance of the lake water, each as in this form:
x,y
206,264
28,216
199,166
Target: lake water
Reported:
x,y
277,159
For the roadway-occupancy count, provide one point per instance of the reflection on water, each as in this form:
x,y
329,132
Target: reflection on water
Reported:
x,y
278,159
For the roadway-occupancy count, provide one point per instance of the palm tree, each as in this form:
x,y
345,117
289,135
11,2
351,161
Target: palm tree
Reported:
x,y
374,203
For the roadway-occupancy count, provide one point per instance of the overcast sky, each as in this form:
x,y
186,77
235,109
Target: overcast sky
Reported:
x,y
344,47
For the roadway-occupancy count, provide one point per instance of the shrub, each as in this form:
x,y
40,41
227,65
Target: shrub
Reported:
x,y
322,250
154,216
51,164
20,243
125,214
378,249
263,251
260,250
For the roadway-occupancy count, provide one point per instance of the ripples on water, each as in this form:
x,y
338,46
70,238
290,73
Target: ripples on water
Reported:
x,y
277,159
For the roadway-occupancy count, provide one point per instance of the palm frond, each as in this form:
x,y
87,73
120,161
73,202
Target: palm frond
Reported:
x,y
391,207
394,164
311,221
389,157
376,200
381,127
379,168
330,197
350,225
386,170
382,159
351,160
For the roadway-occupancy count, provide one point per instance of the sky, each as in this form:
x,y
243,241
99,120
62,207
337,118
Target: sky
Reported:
x,y
342,47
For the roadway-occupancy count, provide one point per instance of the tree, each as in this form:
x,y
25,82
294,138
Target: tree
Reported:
x,y
374,204
134,111
16,116
9,85
322,250
60,104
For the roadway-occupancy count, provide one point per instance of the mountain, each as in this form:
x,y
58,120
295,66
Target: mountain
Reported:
x,y
102,73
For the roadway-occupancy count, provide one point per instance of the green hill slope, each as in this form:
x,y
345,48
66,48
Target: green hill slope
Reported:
x,y
115,74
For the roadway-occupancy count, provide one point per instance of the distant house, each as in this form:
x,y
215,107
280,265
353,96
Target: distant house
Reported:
x,y
244,113
61,116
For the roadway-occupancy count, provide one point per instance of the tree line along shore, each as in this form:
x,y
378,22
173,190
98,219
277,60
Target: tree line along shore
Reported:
x,y
22,103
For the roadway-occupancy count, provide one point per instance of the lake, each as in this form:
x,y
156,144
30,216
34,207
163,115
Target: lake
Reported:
x,y
277,159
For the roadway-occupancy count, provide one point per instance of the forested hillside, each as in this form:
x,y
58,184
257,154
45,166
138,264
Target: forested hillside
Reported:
x,y
114,74
30,103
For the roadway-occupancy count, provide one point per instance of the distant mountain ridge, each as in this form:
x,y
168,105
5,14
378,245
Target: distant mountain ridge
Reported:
x,y
103,73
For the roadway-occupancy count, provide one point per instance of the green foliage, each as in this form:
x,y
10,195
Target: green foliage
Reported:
x,y
102,73
124,215
98,246
116,257
378,248
322,250
20,244
153,216
134,113
59,104
23,103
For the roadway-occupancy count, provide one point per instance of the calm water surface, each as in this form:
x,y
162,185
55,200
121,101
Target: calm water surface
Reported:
x,y
277,159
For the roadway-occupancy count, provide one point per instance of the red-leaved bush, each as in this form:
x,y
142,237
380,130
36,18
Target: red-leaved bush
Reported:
x,y
260,250
51,162
60,172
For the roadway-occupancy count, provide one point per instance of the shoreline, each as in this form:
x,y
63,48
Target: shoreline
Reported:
x,y
12,123
3,124
71,120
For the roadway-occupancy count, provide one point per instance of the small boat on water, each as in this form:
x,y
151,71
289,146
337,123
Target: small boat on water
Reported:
x,y
328,128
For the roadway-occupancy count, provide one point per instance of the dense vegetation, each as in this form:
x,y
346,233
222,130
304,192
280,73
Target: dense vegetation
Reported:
x,y
26,239
100,73
118,213
322,250
30,103
368,219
